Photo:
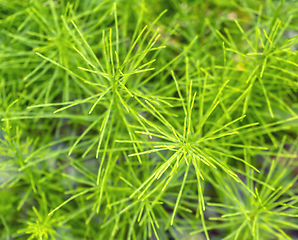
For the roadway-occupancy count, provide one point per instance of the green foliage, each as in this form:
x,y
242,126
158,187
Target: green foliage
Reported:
x,y
148,119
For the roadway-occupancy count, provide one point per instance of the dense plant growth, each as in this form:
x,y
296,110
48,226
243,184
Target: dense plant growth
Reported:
x,y
148,119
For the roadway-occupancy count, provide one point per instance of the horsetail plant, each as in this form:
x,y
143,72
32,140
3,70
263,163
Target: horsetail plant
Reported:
x,y
148,119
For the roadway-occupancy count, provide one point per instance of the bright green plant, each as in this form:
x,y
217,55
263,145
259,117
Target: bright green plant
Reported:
x,y
148,119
